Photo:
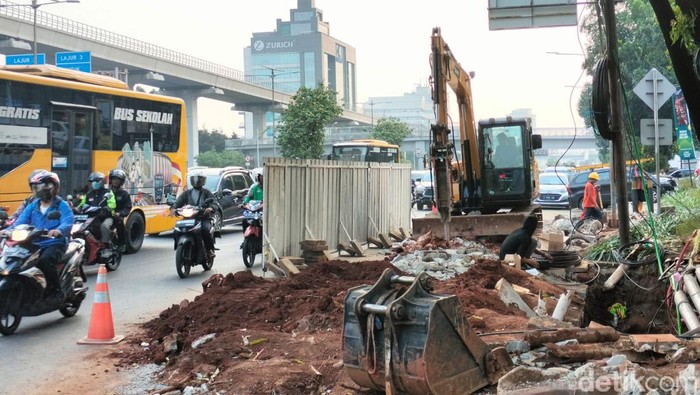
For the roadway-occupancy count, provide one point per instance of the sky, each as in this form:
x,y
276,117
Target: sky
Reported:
x,y
392,38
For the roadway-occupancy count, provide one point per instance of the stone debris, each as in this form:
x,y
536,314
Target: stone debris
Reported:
x,y
442,264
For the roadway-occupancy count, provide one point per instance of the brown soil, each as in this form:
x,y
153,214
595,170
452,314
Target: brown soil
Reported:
x,y
284,336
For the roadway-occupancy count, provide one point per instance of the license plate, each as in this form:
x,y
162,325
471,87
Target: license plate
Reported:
x,y
80,217
184,223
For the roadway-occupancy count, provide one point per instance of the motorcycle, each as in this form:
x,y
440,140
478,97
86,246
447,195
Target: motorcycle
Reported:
x,y
252,236
189,244
22,284
85,227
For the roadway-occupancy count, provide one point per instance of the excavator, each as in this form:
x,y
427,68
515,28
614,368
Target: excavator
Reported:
x,y
490,191
399,336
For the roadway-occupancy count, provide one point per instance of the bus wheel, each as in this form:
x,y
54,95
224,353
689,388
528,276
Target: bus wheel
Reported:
x,y
135,227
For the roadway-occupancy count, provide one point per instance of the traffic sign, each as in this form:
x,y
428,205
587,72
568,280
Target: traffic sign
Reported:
x,y
24,59
248,158
645,88
74,60
646,131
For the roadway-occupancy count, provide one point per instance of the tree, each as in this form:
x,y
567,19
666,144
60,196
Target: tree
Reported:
x,y
211,141
391,130
300,133
639,49
221,159
679,25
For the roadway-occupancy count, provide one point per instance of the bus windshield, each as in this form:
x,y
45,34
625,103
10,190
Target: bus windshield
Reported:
x,y
366,151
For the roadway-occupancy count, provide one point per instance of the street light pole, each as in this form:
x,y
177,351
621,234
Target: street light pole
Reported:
x,y
274,103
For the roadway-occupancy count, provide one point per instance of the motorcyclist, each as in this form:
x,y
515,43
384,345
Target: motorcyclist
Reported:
x,y
256,191
12,218
117,177
201,197
100,196
45,185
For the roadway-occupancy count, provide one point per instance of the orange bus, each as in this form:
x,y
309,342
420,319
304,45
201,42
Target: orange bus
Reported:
x,y
74,123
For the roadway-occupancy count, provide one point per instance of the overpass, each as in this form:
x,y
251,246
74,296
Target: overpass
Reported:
x,y
139,62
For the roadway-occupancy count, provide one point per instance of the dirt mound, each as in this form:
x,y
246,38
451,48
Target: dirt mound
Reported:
x,y
285,335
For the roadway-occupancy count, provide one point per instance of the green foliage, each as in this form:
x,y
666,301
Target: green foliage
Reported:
x,y
301,132
391,130
211,141
221,159
682,28
640,47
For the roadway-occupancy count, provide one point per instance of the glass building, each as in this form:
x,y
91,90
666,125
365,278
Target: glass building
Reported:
x,y
301,52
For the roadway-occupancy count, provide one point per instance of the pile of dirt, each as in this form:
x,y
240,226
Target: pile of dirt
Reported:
x,y
285,335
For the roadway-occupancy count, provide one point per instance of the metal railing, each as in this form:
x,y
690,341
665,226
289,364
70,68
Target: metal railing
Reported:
x,y
24,12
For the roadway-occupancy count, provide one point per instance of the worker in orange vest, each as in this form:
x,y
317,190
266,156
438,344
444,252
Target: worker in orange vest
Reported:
x,y
592,206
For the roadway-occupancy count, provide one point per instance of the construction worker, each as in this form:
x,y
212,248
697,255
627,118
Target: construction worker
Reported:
x,y
592,207
638,190
521,242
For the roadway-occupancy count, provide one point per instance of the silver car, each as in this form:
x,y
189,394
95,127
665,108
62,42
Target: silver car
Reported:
x,y
553,192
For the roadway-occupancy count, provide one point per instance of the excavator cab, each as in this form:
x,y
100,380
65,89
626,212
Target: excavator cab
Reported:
x,y
508,167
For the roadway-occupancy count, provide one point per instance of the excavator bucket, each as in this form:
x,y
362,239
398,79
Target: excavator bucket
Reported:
x,y
476,225
400,338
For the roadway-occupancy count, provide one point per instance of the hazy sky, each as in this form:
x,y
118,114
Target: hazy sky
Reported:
x,y
392,39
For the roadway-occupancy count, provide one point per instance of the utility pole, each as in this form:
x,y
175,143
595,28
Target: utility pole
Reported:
x,y
618,142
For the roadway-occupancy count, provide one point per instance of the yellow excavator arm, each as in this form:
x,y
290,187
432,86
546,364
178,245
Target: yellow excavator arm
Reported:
x,y
446,71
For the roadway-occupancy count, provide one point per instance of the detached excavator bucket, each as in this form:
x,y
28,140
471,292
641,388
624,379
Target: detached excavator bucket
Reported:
x,y
401,338
476,225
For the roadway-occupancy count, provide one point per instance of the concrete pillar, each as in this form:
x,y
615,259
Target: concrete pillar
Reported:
x,y
192,129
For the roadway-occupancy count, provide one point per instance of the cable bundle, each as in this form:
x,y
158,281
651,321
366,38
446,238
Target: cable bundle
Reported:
x,y
600,99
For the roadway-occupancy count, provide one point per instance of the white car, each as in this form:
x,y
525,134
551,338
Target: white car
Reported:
x,y
553,192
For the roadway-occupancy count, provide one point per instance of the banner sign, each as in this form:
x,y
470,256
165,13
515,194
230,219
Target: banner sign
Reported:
x,y
681,118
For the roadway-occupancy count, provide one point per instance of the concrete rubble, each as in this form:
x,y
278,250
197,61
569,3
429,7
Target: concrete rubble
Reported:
x,y
445,263
591,360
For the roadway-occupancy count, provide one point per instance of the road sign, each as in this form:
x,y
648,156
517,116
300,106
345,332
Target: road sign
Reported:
x,y
24,59
646,131
74,60
248,158
645,88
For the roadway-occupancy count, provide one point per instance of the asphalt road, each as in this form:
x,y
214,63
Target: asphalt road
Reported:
x,y
45,347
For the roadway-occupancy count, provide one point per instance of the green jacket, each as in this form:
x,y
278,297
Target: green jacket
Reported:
x,y
102,197
255,193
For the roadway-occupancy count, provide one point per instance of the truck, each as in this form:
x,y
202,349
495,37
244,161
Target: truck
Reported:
x,y
490,191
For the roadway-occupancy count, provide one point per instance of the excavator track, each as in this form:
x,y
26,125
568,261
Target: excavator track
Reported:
x,y
476,225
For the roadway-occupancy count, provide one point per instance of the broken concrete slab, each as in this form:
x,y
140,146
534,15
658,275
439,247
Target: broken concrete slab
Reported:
x,y
526,377
660,343
582,352
509,296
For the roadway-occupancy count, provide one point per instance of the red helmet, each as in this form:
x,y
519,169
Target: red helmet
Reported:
x,y
45,184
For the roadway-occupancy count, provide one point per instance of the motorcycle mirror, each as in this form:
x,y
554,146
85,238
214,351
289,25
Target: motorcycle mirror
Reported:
x,y
54,215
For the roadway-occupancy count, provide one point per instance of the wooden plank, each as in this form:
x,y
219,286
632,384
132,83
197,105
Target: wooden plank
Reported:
x,y
289,266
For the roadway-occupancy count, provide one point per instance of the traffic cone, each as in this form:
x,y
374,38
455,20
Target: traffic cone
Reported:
x,y
434,210
101,329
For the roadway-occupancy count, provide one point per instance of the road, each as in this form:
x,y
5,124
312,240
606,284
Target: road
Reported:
x,y
145,284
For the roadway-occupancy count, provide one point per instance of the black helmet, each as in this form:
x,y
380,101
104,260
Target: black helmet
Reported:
x,y
259,178
197,180
97,180
45,185
34,173
118,174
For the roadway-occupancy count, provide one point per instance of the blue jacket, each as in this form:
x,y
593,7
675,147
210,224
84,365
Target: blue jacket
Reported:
x,y
33,216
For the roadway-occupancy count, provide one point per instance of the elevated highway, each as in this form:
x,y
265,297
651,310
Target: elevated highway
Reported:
x,y
139,62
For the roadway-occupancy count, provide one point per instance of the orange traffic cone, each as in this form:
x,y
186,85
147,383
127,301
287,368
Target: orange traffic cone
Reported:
x,y
101,329
434,211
